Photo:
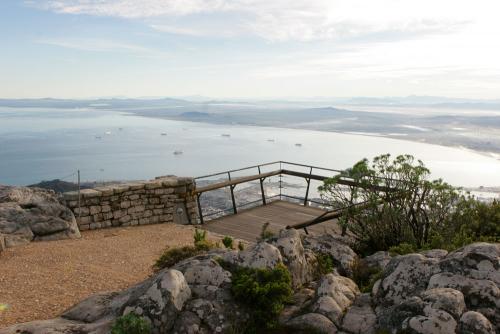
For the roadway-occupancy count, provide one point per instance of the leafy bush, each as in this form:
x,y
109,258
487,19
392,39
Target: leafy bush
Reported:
x,y
265,234
264,291
228,242
171,256
241,246
402,249
324,264
400,205
131,324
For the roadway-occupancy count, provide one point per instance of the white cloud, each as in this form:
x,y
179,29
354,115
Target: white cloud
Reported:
x,y
282,20
102,45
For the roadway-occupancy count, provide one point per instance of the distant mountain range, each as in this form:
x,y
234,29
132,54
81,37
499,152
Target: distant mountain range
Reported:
x,y
112,103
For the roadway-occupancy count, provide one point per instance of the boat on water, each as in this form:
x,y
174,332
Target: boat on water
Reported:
x,y
225,135
298,145
163,133
98,137
271,140
178,152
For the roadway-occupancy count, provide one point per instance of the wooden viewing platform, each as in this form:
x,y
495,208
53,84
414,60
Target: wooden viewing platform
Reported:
x,y
247,224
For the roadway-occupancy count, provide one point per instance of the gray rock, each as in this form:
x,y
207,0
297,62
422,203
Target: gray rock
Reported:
x,y
360,318
432,322
28,214
446,299
435,253
260,255
377,260
312,321
300,266
475,323
405,276
344,257
335,294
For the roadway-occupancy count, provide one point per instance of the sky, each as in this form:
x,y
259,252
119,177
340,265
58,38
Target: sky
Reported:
x,y
249,48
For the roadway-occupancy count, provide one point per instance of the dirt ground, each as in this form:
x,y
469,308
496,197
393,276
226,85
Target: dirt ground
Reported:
x,y
42,279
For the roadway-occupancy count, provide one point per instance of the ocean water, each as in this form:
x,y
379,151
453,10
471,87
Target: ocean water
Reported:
x,y
41,144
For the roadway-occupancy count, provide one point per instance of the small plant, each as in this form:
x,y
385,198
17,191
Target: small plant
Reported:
x,y
228,242
131,324
199,236
264,291
402,249
265,234
174,255
241,246
324,264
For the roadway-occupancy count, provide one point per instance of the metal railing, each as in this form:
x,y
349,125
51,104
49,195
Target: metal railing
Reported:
x,y
228,180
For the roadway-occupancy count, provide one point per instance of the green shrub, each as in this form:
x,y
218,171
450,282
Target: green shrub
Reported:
x,y
365,276
324,264
265,234
402,249
199,236
131,324
264,291
241,246
171,256
228,242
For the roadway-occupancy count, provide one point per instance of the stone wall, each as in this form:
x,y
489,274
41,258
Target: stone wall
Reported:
x,y
162,200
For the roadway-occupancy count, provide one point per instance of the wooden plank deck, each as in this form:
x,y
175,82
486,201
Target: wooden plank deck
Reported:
x,y
247,224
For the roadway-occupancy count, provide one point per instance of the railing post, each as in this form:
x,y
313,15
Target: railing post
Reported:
x,y
262,189
79,199
235,211
308,180
199,207
281,176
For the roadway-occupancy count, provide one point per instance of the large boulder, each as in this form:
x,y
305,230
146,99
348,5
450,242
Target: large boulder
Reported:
x,y
311,323
158,300
258,256
335,294
360,318
343,256
475,323
28,214
300,262
405,276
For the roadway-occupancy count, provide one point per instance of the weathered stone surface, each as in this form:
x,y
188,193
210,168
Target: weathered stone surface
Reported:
x,y
435,253
294,257
475,323
312,322
335,294
203,272
377,260
260,255
449,300
343,256
360,318
432,322
405,276
28,214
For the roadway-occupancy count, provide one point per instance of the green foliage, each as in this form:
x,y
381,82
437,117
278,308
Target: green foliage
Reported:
x,y
265,234
264,291
400,205
171,256
199,236
228,242
241,246
324,264
402,249
365,276
131,324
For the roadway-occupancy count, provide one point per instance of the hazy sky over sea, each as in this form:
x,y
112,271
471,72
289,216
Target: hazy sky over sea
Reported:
x,y
249,48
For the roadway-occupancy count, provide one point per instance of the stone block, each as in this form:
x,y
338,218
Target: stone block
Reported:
x,y
143,221
84,227
107,215
95,226
105,208
105,191
119,213
95,209
136,186
90,193
117,190
125,204
147,213
125,219
97,217
154,200
83,211
153,185
84,220
134,197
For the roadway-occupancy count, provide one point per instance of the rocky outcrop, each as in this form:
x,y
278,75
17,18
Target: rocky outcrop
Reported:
x,y
343,256
28,214
437,292
426,293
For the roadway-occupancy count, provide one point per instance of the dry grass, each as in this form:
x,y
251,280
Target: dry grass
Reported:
x,y
42,279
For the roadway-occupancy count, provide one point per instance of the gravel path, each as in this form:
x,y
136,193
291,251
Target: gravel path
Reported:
x,y
42,279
